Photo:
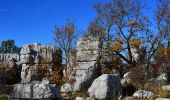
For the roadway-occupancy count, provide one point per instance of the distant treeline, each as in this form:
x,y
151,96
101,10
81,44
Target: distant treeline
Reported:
x,y
8,46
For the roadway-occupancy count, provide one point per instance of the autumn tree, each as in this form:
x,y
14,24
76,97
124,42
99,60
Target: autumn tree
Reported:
x,y
64,38
123,23
127,29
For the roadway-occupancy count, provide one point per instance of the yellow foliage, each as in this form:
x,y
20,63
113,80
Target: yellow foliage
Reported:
x,y
133,23
165,51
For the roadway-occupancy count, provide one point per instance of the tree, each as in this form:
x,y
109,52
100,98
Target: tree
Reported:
x,y
64,38
127,29
9,46
123,23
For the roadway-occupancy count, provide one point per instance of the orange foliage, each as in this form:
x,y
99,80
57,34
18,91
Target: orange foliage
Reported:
x,y
116,47
135,43
56,76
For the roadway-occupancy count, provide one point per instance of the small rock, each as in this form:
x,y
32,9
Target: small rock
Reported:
x,y
105,86
143,93
90,98
161,99
66,88
79,98
166,88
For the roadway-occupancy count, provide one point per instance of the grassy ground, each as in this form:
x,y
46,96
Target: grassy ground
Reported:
x,y
3,97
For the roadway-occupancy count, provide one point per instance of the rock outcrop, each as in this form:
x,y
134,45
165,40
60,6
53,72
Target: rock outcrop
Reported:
x,y
38,90
33,85
88,66
32,54
4,57
105,87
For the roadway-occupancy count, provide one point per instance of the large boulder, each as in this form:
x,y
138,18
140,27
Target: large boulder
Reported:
x,y
36,91
105,87
85,74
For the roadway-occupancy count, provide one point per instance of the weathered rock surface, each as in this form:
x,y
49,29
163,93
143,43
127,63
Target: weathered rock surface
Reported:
x,y
90,98
143,93
105,87
88,67
162,78
67,88
6,57
126,79
36,91
32,85
31,54
166,88
79,98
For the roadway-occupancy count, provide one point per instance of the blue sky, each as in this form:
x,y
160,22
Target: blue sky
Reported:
x,y
28,21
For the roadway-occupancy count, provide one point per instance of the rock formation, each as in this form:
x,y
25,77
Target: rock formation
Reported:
x,y
33,85
4,57
88,66
105,87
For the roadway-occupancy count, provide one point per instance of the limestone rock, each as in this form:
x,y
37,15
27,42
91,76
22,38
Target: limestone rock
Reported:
x,y
90,98
79,98
85,56
8,56
166,88
126,79
105,87
36,91
162,78
143,93
85,74
88,43
66,88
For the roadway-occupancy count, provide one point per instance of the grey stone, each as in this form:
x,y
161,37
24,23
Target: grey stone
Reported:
x,y
162,78
143,93
36,91
85,74
88,43
90,98
166,88
67,88
85,56
126,79
7,57
79,98
105,87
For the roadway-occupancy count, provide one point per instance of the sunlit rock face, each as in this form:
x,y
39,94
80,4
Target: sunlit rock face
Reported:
x,y
88,67
38,90
4,57
30,57
105,87
33,85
